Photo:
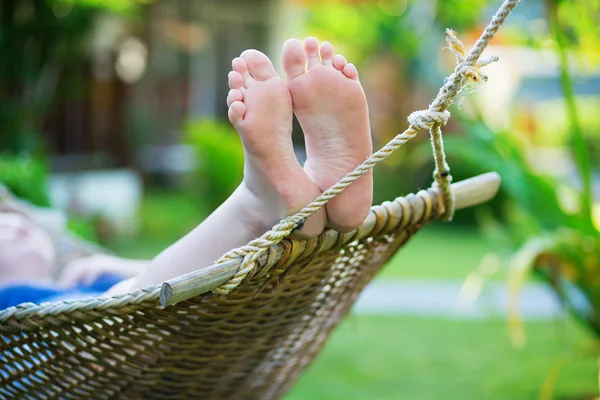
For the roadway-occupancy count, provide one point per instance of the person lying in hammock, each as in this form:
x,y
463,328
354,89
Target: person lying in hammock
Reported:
x,y
324,92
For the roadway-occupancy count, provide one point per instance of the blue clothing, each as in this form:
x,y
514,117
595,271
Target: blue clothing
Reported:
x,y
17,294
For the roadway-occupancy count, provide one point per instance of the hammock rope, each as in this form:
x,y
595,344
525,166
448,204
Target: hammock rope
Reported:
x,y
467,70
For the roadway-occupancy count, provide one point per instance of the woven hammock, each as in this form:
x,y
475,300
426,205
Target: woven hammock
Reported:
x,y
245,327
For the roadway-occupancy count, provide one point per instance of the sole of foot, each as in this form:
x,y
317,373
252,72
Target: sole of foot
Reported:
x,y
260,109
331,106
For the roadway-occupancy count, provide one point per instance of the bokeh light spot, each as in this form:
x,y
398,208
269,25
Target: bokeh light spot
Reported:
x,y
131,61
62,8
395,8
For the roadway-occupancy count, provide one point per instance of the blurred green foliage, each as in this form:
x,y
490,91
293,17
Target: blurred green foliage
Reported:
x,y
221,160
110,5
40,40
26,177
165,217
85,227
37,45
577,20
366,28
460,14
481,150
543,228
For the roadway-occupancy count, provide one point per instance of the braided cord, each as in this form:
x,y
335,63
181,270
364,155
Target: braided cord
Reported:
x,y
432,119
467,69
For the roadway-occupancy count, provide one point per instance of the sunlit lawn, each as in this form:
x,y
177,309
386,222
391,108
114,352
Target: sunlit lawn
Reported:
x,y
438,252
410,358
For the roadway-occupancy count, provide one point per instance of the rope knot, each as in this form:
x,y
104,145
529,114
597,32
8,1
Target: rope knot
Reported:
x,y
426,119
472,73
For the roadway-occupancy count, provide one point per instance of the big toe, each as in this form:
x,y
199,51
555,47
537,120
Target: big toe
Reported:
x,y
294,58
259,65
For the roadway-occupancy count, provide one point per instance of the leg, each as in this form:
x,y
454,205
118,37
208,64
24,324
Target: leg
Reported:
x,y
260,109
274,185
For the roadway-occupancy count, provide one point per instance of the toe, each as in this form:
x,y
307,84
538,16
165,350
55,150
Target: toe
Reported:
x,y
259,65
294,59
239,65
350,71
311,47
339,62
233,96
350,219
235,80
326,53
236,112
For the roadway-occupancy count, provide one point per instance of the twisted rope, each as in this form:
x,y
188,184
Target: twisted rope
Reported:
x,y
432,119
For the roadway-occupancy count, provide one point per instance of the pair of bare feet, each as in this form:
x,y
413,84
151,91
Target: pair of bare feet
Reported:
x,y
324,92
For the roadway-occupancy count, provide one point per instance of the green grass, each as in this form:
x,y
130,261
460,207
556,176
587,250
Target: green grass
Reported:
x,y
372,357
438,252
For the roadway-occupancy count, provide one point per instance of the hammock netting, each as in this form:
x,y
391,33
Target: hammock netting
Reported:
x,y
251,343
246,327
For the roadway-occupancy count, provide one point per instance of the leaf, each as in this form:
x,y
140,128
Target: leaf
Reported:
x,y
473,286
520,267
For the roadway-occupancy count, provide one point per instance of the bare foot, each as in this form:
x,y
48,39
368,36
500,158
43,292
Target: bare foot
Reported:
x,y
260,109
332,109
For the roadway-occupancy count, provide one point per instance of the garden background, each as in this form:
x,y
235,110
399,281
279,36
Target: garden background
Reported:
x,y
114,111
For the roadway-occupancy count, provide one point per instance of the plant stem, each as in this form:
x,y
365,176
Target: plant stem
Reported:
x,y
582,157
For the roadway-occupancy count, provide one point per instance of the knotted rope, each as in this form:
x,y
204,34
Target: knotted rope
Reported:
x,y
467,70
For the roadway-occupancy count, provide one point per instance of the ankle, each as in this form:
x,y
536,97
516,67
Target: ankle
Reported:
x,y
253,211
